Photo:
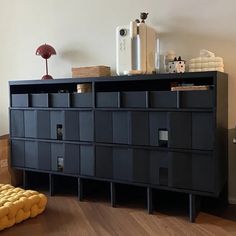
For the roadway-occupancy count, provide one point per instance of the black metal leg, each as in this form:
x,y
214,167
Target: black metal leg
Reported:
x,y
80,189
194,207
51,184
24,179
149,200
113,194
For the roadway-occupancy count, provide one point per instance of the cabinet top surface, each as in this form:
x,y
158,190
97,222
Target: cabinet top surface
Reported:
x,y
192,75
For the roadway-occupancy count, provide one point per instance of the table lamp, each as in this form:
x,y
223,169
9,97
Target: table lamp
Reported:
x,y
45,51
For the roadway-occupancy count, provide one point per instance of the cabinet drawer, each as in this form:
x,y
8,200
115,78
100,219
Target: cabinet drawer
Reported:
x,y
197,99
20,100
39,100
134,99
163,99
59,100
81,100
107,99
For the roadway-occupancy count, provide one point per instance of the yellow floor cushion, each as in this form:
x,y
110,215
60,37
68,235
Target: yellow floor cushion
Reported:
x,y
17,204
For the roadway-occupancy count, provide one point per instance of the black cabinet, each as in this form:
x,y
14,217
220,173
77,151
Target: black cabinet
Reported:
x,y
129,129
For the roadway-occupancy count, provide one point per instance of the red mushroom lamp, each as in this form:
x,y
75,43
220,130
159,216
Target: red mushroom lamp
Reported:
x,y
46,51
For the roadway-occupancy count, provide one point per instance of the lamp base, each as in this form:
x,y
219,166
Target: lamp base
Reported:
x,y
47,77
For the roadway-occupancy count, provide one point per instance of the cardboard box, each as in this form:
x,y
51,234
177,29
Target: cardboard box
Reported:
x,y
7,174
91,71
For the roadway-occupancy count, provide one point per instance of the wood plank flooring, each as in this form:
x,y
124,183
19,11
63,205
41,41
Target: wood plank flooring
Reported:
x,y
65,215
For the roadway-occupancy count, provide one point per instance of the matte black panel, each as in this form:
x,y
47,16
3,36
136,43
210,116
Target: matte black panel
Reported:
x,y
43,124
71,125
86,126
57,153
179,129
56,118
103,126
139,128
180,170
104,162
159,167
17,123
141,166
157,121
203,173
122,164
203,136
133,99
121,127
19,100
59,100
30,124
87,161
17,153
196,99
163,99
31,155
44,156
107,99
39,100
71,160
81,100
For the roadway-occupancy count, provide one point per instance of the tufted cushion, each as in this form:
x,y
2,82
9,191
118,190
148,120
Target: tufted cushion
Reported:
x,y
17,204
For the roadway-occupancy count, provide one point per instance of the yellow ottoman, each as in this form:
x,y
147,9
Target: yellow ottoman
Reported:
x,y
17,204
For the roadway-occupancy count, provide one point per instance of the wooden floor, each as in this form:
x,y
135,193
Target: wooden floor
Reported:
x,y
65,215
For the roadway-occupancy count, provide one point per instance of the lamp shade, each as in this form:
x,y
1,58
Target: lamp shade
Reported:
x,y
45,51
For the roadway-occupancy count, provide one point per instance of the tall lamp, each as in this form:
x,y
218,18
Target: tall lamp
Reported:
x,y
46,51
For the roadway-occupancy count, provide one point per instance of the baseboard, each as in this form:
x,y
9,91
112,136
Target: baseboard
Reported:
x,y
232,200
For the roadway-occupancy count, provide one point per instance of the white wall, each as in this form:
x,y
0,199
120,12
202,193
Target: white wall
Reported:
x,y
83,33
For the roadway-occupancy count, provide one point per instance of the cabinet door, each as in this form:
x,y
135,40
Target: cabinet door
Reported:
x,y
17,153
87,163
17,123
44,156
57,157
71,161
104,162
140,165
159,167
122,164
103,126
30,124
203,125
43,124
180,170
139,128
179,135
31,154
158,124
71,125
86,126
121,127
203,175
57,125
